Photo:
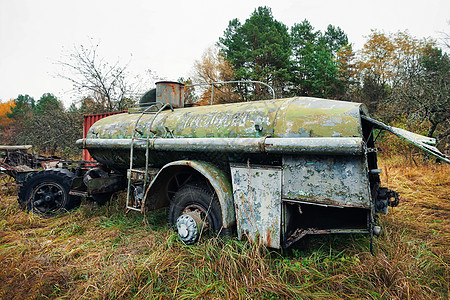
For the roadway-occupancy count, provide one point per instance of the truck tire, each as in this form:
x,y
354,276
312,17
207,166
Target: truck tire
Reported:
x,y
46,193
194,211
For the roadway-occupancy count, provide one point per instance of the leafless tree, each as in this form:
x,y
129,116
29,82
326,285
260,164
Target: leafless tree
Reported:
x,y
92,76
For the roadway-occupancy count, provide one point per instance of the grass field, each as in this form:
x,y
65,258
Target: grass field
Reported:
x,y
102,253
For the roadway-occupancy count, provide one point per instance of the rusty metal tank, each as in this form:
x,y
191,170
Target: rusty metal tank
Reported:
x,y
299,124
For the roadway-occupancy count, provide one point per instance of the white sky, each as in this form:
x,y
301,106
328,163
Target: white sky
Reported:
x,y
167,37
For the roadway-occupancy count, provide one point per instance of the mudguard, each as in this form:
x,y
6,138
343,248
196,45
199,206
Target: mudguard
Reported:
x,y
216,177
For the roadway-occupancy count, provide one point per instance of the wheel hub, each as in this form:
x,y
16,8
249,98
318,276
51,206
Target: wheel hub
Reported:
x,y
187,229
47,197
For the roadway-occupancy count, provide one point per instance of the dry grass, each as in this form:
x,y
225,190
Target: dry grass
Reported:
x,y
102,253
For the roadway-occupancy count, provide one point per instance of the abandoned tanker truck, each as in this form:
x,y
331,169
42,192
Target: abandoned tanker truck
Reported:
x,y
276,170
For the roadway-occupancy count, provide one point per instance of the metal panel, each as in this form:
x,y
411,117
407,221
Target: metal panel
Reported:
x,y
326,180
88,121
257,199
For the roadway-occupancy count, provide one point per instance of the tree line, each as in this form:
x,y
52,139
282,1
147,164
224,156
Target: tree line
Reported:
x,y
401,79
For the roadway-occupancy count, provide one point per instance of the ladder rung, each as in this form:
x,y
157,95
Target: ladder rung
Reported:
x,y
136,170
133,208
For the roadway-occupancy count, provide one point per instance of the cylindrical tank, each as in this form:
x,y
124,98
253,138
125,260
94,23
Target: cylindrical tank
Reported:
x,y
292,118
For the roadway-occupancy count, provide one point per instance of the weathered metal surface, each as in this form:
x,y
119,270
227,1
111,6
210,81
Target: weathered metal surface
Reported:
x,y
316,154
423,142
257,199
216,177
16,162
271,119
331,180
328,146
171,93
293,117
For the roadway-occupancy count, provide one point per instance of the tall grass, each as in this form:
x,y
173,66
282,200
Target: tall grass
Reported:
x,y
104,253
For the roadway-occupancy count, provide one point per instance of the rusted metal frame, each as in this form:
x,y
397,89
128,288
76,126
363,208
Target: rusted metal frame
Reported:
x,y
301,232
232,81
9,170
423,142
294,201
324,146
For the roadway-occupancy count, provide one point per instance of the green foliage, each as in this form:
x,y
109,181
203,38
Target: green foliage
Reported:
x,y
315,66
47,103
24,105
302,62
46,125
259,50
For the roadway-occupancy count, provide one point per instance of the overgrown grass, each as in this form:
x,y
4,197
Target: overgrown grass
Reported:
x,y
104,253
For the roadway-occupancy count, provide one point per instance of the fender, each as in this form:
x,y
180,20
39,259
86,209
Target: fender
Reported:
x,y
215,176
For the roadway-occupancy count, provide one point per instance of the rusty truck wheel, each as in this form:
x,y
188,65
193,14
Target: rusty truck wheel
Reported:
x,y
195,211
46,192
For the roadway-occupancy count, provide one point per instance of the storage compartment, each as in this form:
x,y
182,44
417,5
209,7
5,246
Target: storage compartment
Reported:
x,y
301,219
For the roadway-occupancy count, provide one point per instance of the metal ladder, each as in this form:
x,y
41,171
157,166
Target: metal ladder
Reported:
x,y
136,205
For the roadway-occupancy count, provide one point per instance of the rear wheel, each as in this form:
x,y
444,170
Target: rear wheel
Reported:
x,y
195,211
47,192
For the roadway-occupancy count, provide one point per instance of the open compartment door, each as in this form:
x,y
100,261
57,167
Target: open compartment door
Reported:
x,y
423,142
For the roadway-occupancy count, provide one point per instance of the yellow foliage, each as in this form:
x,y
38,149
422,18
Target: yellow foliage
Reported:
x,y
213,67
383,55
6,108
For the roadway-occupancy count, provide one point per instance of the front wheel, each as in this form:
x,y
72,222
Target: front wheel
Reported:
x,y
195,211
46,192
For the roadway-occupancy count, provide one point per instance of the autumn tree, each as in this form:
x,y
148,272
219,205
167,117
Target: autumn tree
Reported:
x,y
213,67
5,110
259,50
382,63
20,110
7,132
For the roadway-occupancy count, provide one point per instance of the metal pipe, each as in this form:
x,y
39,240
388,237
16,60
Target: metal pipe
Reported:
x,y
326,145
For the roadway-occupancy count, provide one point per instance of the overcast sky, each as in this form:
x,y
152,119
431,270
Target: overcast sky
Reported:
x,y
168,36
